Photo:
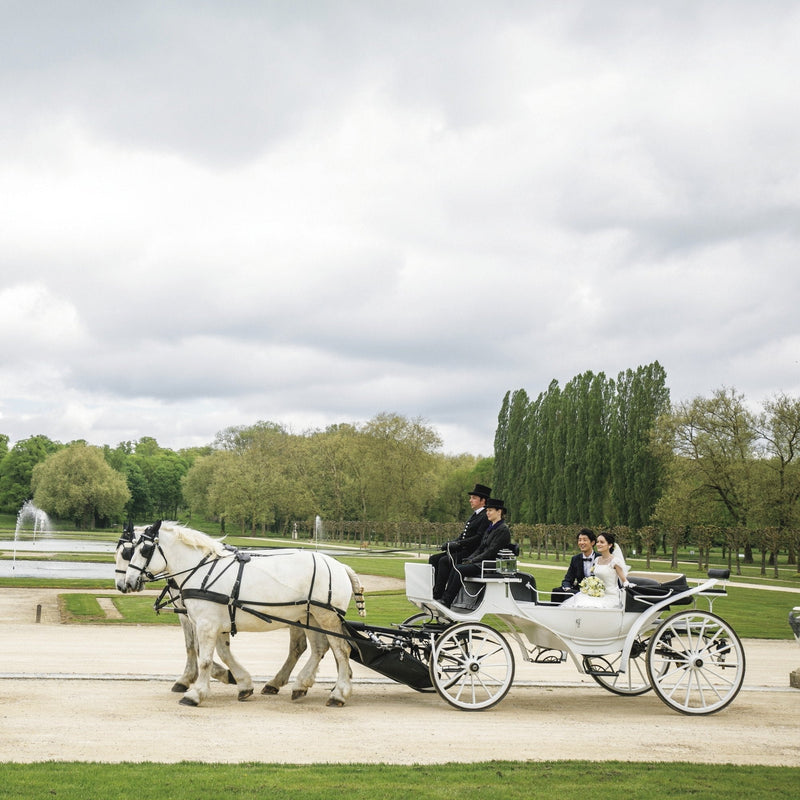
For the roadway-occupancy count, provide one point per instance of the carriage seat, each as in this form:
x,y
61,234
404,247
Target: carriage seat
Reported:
x,y
648,591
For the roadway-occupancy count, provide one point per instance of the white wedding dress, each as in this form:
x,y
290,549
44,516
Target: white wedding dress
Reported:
x,y
612,596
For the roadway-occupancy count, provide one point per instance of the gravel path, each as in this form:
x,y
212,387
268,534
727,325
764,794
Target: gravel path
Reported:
x,y
102,693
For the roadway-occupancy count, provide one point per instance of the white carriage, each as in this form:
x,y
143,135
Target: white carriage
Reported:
x,y
691,658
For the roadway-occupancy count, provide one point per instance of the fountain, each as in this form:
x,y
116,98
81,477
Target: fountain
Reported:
x,y
40,523
319,531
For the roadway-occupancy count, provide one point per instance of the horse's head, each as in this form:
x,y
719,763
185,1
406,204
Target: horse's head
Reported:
x,y
122,555
145,561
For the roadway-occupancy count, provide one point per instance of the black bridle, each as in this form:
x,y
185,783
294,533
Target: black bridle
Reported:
x,y
147,544
127,543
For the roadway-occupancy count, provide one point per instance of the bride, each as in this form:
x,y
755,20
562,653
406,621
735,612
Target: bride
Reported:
x,y
609,566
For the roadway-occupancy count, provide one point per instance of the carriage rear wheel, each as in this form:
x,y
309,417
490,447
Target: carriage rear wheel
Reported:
x,y
472,666
635,680
696,662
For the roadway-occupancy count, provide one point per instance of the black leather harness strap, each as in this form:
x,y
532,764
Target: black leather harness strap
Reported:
x,y
234,603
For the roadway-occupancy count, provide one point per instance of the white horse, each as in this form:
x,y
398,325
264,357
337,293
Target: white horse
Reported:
x,y
297,636
225,591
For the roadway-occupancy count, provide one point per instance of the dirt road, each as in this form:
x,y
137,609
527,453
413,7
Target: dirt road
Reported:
x,y
102,693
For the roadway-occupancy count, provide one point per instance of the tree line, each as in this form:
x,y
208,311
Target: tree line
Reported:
x,y
616,454
251,478
606,453
581,453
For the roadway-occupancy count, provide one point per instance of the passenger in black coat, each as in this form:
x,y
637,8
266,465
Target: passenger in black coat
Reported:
x,y
496,538
456,551
580,566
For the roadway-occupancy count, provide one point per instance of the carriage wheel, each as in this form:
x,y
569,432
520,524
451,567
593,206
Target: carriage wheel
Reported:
x,y
635,680
695,662
472,666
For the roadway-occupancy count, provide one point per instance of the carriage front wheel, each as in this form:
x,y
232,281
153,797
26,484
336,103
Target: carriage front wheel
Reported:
x,y
695,662
472,666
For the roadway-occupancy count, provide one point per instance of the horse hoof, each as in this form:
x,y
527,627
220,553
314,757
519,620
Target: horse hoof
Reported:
x,y
334,703
269,689
179,687
244,694
187,701
298,693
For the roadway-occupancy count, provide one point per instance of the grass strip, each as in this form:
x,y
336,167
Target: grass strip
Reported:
x,y
509,780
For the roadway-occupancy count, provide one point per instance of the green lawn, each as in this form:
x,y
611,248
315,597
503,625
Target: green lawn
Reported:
x,y
504,780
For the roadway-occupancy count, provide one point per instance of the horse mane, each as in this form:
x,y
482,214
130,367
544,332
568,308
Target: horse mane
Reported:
x,y
196,539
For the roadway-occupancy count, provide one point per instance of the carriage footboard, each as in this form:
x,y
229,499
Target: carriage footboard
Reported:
x,y
389,653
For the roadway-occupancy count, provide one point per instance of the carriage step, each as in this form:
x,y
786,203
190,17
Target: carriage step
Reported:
x,y
602,669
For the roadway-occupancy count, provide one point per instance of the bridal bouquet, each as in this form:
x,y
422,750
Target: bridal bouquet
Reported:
x,y
592,586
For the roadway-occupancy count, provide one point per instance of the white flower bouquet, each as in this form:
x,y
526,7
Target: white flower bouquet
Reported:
x,y
592,586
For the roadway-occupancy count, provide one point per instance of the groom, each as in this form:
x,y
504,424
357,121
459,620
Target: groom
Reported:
x,y
580,566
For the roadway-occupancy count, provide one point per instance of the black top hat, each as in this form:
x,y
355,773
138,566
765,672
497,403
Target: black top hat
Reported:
x,y
493,502
481,491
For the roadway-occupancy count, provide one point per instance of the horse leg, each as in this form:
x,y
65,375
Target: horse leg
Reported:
x,y
189,676
218,671
308,674
297,646
207,635
343,687
240,675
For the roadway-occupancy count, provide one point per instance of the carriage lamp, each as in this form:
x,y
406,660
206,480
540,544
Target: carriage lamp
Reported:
x,y
794,622
506,562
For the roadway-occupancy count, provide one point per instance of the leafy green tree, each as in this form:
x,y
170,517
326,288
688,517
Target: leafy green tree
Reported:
x,y
502,455
16,470
778,428
400,458
77,483
140,504
197,482
334,472
638,469
715,439
458,476
255,480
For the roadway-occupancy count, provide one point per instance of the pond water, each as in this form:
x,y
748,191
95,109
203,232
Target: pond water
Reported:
x,y
22,568
43,544
56,569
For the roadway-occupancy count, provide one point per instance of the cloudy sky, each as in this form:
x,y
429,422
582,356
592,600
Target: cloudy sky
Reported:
x,y
213,213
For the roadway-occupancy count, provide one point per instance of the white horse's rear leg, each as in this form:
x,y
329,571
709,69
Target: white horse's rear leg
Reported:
x,y
308,674
343,688
297,646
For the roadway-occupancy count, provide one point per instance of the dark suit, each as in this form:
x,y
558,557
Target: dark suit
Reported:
x,y
457,550
493,540
571,582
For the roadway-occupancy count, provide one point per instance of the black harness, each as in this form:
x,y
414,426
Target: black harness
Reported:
x,y
216,567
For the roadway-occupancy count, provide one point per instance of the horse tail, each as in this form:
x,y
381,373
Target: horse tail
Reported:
x,y
358,591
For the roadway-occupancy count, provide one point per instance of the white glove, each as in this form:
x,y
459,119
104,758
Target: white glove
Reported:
x,y
628,585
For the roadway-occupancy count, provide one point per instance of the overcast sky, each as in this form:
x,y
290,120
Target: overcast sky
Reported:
x,y
214,213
